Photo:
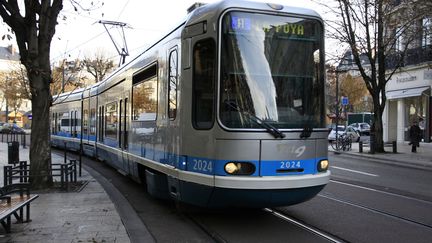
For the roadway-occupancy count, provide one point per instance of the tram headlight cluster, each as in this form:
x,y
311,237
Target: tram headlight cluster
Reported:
x,y
239,168
323,165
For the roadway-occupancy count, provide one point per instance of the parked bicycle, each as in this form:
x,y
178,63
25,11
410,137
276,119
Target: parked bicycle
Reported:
x,y
343,142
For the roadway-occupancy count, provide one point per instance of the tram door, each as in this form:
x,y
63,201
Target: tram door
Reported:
x,y
123,124
123,130
172,133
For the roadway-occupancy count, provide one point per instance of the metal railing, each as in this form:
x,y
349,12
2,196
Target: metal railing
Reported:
x,y
413,56
66,173
22,138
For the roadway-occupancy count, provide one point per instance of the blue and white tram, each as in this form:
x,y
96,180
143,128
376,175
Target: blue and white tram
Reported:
x,y
225,110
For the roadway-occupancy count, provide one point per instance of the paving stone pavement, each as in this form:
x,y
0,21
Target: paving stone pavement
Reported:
x,y
87,215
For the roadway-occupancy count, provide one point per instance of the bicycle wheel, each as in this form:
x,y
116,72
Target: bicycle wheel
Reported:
x,y
336,144
349,143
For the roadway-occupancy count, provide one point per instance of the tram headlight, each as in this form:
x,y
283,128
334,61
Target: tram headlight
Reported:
x,y
239,168
323,165
231,168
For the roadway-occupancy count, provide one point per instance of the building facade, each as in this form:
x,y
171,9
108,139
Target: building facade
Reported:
x,y
11,113
408,91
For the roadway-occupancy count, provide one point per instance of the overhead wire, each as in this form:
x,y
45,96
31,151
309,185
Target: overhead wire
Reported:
x,y
74,13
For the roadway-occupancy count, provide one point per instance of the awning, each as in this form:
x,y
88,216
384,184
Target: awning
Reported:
x,y
13,114
404,93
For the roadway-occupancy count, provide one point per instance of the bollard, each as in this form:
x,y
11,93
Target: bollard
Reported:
x,y
372,147
360,147
394,147
23,140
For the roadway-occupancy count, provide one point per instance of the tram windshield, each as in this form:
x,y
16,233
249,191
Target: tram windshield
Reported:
x,y
272,69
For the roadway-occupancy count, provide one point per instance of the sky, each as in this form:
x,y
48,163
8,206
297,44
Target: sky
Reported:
x,y
79,35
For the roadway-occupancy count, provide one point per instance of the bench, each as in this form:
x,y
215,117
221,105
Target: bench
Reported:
x,y
13,199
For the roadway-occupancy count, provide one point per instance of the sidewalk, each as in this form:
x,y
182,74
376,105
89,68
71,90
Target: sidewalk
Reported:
x,y
87,215
404,157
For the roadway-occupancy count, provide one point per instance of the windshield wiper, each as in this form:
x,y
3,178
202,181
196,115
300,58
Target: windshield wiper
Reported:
x,y
307,129
264,124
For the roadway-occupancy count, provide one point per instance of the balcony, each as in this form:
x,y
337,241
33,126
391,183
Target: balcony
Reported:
x,y
412,57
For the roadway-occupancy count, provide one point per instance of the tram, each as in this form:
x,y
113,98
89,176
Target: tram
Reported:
x,y
226,110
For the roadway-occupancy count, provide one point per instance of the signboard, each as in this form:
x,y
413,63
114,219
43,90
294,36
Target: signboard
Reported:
x,y
344,100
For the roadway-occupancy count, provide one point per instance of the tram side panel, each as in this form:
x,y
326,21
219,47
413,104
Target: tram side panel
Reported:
x,y
68,125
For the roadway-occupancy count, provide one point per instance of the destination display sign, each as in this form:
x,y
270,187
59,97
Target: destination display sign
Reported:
x,y
278,26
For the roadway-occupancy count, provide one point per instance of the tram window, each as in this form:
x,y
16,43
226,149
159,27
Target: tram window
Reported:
x,y
101,123
76,124
71,124
85,122
120,128
92,121
53,123
172,86
144,95
111,120
204,57
125,124
60,127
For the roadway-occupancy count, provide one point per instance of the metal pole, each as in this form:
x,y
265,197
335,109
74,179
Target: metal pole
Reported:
x,y
62,176
64,152
80,160
337,104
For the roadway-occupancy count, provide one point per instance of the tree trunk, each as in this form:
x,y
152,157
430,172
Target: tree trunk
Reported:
x,y
378,130
40,152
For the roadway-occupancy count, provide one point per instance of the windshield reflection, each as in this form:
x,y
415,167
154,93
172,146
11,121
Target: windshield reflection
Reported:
x,y
270,68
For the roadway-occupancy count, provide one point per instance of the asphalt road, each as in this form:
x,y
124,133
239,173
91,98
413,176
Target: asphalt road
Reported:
x,y
364,202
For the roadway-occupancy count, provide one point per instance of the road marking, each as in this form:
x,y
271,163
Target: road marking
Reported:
x,y
354,171
383,192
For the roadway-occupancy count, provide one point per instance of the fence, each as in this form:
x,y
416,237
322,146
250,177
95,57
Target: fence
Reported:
x,y
66,173
22,138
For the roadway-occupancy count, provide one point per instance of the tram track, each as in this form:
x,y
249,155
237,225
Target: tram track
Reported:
x,y
373,210
382,191
223,227
303,225
204,220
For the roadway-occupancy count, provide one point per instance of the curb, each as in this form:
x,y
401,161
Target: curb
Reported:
x,y
388,161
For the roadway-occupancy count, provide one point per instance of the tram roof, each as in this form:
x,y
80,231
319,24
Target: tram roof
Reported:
x,y
205,10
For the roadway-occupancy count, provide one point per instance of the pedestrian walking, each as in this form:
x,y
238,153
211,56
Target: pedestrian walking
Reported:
x,y
415,136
